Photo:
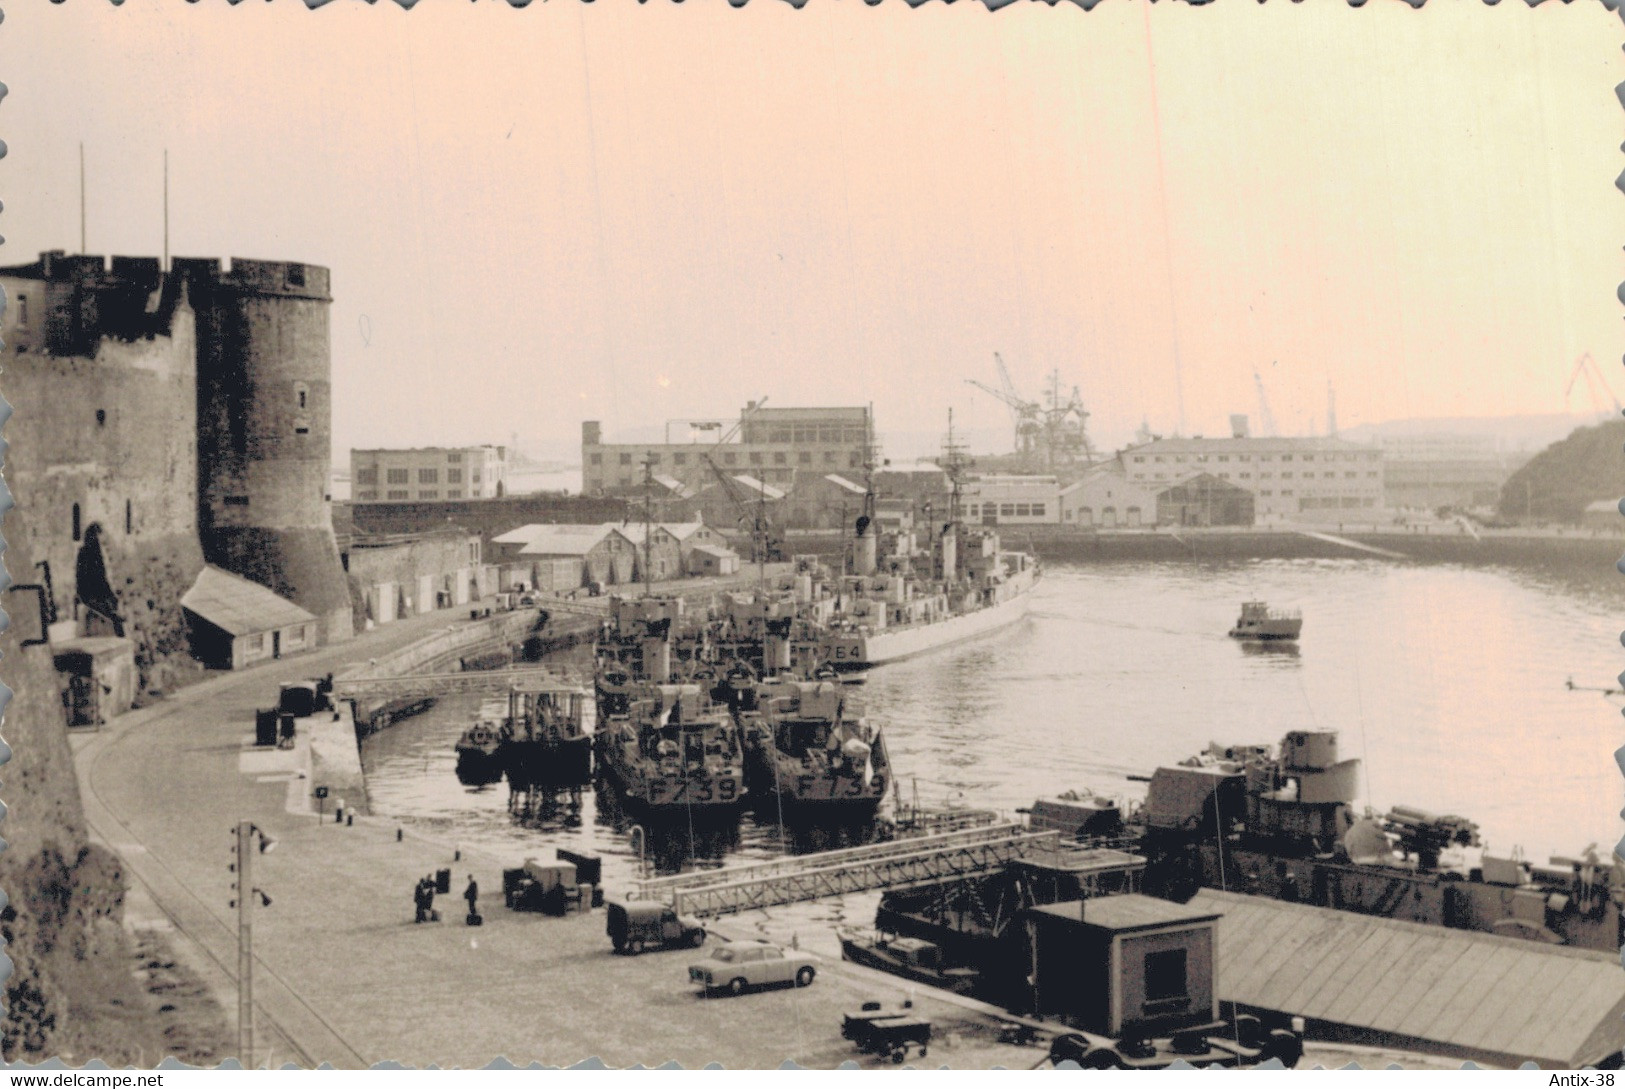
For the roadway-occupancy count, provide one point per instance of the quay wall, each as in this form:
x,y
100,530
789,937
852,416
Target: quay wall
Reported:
x,y
1572,549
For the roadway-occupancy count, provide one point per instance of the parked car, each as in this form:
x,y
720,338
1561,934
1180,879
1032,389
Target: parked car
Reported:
x,y
634,927
736,966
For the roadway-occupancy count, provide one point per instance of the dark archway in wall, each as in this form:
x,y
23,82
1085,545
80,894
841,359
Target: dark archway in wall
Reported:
x,y
92,584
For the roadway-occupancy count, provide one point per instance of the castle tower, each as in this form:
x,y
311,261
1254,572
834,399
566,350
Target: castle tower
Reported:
x,y
264,411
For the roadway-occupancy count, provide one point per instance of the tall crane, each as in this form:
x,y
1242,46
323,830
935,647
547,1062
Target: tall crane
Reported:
x,y
1266,418
1024,414
1587,367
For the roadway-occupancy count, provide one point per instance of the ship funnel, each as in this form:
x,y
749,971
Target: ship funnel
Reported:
x,y
950,554
657,657
864,548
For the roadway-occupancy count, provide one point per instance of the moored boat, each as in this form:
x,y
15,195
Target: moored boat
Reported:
x,y
544,739
911,958
477,762
1259,621
810,748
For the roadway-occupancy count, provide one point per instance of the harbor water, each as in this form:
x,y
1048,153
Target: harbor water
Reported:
x,y
1447,682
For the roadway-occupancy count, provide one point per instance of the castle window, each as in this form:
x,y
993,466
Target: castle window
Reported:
x,y
301,426
78,528
301,396
22,311
296,275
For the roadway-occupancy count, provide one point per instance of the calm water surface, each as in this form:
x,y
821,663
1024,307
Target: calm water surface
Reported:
x,y
1447,682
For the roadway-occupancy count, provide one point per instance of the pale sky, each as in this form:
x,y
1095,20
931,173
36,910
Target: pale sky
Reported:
x,y
633,214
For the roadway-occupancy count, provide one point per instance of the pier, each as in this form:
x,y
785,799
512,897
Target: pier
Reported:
x,y
876,867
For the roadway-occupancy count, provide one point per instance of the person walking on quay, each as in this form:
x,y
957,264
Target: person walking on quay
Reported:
x,y
472,895
421,897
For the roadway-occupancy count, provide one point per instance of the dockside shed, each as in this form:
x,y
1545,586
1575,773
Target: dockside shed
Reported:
x,y
234,622
1123,965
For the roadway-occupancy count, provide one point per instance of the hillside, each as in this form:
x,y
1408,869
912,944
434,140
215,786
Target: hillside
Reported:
x,y
1558,482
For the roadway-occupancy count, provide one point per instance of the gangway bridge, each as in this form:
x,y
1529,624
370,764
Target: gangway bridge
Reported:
x,y
876,867
479,681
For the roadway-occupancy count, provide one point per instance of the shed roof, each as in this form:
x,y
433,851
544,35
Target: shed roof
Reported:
x,y
768,491
568,541
1130,911
715,550
1472,993
682,530
240,607
841,482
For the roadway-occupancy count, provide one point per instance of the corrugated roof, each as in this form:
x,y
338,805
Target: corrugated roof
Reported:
x,y
1469,992
238,606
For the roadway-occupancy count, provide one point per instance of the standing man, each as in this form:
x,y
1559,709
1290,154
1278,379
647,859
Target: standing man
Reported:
x,y
472,895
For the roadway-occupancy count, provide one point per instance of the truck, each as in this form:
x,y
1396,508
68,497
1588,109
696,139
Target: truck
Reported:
x,y
635,926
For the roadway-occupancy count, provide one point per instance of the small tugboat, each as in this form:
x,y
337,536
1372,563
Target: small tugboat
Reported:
x,y
911,958
477,761
1259,621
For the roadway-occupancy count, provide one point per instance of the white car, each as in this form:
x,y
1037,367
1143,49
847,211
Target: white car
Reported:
x,y
736,966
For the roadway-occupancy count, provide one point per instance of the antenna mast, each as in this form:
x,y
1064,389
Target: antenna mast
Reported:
x,y
82,244
166,209
648,519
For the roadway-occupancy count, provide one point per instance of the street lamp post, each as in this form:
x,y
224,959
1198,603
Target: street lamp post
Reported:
x,y
245,847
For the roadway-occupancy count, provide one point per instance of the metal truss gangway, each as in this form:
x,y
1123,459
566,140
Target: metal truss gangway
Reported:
x,y
478,681
880,866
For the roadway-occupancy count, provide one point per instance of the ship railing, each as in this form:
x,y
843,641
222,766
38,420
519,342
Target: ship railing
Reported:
x,y
664,888
815,877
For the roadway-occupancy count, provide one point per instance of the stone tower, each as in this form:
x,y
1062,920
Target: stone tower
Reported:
x,y
264,412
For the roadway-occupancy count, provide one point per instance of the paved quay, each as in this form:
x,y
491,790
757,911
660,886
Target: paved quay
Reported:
x,y
342,973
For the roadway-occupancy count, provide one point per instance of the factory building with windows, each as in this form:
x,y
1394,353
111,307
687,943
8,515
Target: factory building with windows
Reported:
x,y
769,444
428,473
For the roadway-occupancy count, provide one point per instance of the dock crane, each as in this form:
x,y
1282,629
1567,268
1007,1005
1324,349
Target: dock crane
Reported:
x,y
1587,367
1266,418
1024,414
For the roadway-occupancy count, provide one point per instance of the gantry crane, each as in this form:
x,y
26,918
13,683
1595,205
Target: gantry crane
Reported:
x,y
1057,430
1587,367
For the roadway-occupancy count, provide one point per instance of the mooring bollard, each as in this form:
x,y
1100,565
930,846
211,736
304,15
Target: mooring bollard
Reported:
x,y
398,835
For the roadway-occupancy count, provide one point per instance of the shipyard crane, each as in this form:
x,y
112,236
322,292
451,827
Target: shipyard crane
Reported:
x,y
1266,418
1024,414
752,516
1587,367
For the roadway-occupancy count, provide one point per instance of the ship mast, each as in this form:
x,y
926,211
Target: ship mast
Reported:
x,y
648,520
953,464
